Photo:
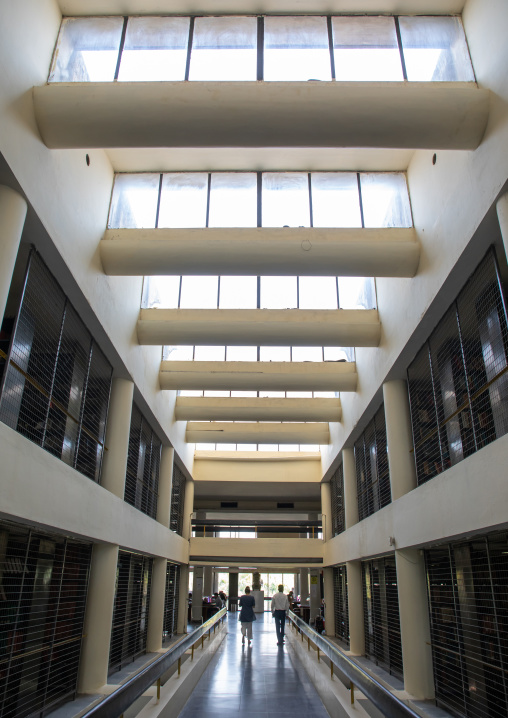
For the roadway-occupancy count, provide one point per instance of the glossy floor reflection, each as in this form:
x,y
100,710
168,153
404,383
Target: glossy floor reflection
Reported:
x,y
262,680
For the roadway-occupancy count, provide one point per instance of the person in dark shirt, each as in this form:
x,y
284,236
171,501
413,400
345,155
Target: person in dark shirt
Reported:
x,y
247,615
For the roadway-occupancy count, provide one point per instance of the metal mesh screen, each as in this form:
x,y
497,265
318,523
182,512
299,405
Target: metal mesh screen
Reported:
x,y
468,598
381,614
337,497
177,501
372,473
130,612
43,586
458,382
143,465
57,383
171,601
341,603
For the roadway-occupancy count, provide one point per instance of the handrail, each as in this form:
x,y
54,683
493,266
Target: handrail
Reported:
x,y
124,696
381,697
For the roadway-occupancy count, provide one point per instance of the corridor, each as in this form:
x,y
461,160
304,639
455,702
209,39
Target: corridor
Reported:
x,y
262,679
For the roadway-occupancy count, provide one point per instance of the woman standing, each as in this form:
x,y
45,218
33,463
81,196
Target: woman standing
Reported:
x,y
247,615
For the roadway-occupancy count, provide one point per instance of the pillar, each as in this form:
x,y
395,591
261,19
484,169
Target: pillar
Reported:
x,y
399,438
94,663
355,606
197,594
183,600
188,508
326,511
414,623
304,585
233,589
329,601
296,581
208,581
315,594
157,601
350,492
114,467
502,215
215,582
165,485
12,220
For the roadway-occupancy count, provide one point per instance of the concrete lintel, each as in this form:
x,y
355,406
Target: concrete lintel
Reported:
x,y
266,433
418,115
276,251
266,327
204,408
259,376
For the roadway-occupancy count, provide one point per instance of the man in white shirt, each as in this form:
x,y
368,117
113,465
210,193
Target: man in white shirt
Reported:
x,y
280,607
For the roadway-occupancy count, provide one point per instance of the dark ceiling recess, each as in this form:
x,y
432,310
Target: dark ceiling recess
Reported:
x,y
285,505
229,504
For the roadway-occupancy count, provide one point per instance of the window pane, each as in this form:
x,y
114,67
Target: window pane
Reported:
x,y
324,395
155,49
233,199
216,392
272,394
296,48
242,354
366,48
224,48
298,394
274,354
310,447
435,49
268,447
238,292
199,293
240,394
134,201
161,292
307,354
289,447
190,392
357,293
337,354
318,293
278,293
285,199
87,50
385,200
210,354
179,353
205,447
246,447
183,200
335,199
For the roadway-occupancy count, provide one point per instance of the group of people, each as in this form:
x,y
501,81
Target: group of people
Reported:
x,y
279,608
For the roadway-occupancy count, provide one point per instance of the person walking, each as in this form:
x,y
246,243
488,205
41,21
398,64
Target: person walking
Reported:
x,y
247,615
280,607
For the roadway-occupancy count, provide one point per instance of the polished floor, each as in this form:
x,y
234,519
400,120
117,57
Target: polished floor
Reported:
x,y
264,680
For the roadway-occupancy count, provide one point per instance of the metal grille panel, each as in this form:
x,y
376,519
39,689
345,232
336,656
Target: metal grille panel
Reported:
x,y
171,601
372,472
177,501
57,384
458,382
43,586
341,603
337,497
130,613
468,598
381,614
143,464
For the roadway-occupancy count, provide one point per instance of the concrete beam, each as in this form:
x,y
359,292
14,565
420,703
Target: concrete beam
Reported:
x,y
276,251
205,408
419,115
288,549
266,327
259,376
211,432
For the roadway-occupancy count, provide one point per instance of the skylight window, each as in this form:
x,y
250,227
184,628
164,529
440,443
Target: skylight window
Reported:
x,y
285,199
183,201
155,49
134,201
279,293
224,48
233,199
366,48
385,199
238,292
335,199
296,48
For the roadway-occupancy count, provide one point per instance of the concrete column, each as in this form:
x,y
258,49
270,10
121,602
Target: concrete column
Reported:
x,y
157,601
350,493
355,605
197,594
12,220
414,623
315,594
304,585
208,581
215,582
296,581
114,467
188,508
326,511
233,587
399,438
183,600
329,601
165,485
502,215
94,663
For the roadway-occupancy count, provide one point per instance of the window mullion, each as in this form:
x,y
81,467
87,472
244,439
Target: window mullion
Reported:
x,y
260,49
120,50
189,49
330,45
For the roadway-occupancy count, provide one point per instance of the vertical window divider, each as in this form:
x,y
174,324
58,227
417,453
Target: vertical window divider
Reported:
x,y
208,190
158,202
53,375
120,50
259,190
330,45
401,50
189,49
179,291
218,292
337,290
298,292
360,199
311,214
260,70
82,407
467,378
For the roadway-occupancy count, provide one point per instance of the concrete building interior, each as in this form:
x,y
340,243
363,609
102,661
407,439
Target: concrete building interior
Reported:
x,y
253,293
